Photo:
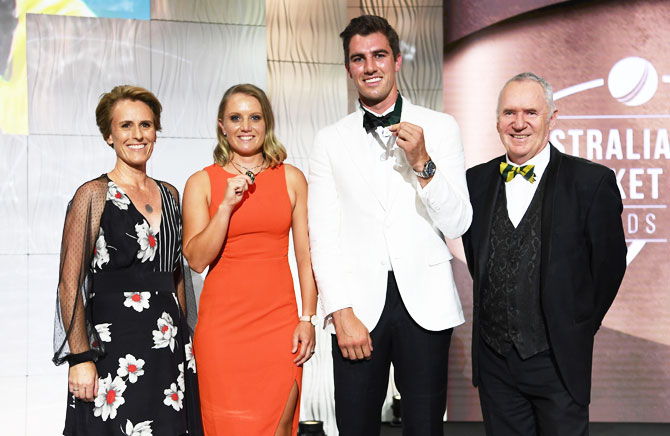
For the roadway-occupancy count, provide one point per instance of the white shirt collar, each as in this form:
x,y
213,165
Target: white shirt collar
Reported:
x,y
540,160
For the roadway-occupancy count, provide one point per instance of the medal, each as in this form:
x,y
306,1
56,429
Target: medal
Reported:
x,y
251,175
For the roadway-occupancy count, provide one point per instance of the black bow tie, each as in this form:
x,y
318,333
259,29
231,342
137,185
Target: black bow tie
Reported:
x,y
371,121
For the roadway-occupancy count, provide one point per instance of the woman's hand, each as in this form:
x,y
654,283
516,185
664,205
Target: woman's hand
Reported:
x,y
235,189
83,381
304,335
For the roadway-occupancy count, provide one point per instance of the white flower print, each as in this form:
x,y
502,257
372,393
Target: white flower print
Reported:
x,y
141,429
173,397
100,252
137,300
166,332
180,377
190,358
147,241
104,332
110,397
116,195
131,367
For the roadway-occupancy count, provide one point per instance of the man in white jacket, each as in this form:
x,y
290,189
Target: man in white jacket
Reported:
x,y
386,186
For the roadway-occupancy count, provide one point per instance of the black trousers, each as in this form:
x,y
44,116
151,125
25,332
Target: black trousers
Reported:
x,y
420,359
526,397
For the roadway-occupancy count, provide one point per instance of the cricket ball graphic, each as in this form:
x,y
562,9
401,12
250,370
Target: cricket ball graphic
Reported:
x,y
632,81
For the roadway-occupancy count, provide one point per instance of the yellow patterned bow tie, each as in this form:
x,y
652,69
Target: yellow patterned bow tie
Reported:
x,y
509,171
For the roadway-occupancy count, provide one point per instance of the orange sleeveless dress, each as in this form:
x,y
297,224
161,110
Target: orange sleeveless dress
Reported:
x,y
248,313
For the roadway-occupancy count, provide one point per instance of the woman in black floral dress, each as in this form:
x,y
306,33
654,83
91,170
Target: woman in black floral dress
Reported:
x,y
121,314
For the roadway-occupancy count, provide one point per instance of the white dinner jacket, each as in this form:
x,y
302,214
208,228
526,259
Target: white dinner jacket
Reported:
x,y
354,231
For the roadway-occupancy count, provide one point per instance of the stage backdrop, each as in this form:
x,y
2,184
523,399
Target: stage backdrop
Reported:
x,y
58,56
608,64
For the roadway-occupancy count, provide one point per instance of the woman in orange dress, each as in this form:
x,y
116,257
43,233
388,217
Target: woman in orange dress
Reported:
x,y
250,341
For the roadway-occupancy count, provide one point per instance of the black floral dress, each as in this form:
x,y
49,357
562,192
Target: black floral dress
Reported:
x,y
134,308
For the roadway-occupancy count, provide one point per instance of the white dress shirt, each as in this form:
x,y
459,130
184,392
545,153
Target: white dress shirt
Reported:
x,y
520,191
382,167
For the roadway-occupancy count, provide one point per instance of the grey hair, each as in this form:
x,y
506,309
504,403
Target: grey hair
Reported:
x,y
546,87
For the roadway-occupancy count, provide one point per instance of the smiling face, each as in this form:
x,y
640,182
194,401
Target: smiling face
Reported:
x,y
372,68
133,132
243,124
524,121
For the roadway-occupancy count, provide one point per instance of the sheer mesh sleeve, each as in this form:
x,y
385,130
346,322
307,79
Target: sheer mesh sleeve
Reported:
x,y
184,284
75,338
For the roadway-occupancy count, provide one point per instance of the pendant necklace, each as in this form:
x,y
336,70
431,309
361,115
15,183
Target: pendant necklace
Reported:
x,y
147,206
249,171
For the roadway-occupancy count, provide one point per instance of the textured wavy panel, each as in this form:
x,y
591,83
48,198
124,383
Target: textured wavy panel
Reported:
x,y
305,98
57,165
13,404
392,3
13,316
13,194
41,288
318,391
305,30
302,163
175,159
210,11
192,66
45,399
72,60
430,98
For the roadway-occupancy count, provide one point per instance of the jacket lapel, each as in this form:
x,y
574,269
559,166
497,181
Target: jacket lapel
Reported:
x,y
489,204
355,143
548,209
401,166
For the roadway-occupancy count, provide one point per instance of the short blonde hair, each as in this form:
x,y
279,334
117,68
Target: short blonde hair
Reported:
x,y
274,152
105,109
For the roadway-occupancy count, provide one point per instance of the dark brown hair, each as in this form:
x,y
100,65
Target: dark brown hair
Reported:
x,y
366,25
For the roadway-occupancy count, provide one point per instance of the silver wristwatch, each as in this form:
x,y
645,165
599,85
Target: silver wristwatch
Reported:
x,y
428,170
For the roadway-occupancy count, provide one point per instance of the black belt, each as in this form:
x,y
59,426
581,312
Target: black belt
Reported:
x,y
120,281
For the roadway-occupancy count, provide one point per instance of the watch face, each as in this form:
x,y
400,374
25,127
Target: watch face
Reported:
x,y
429,170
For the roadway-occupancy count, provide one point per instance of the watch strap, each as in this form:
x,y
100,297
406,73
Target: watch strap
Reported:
x,y
309,318
428,170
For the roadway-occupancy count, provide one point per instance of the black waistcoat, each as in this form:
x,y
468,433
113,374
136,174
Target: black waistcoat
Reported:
x,y
510,311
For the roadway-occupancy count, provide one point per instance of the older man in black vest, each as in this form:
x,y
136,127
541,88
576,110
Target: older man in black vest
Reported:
x,y
547,254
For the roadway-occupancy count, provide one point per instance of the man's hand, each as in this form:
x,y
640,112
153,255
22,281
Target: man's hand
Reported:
x,y
352,336
410,139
